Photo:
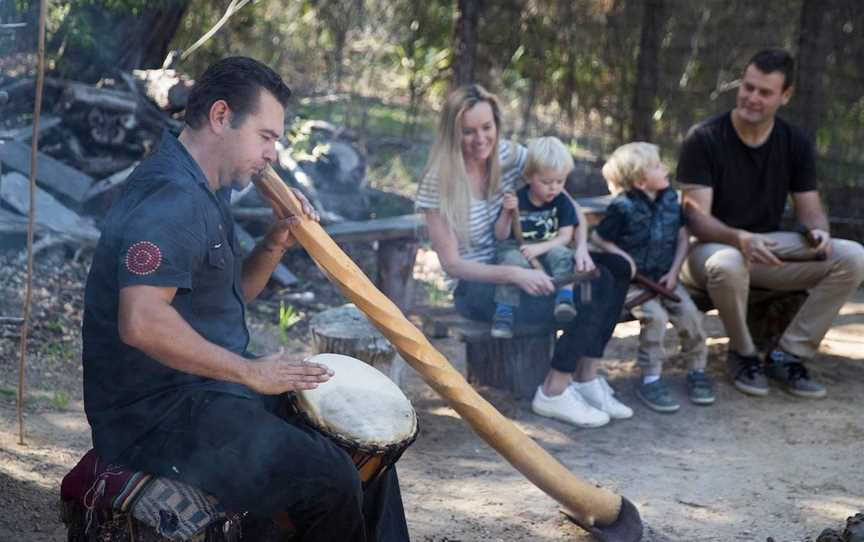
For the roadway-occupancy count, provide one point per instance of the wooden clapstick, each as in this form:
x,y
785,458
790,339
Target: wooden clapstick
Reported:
x,y
584,286
517,235
608,516
652,290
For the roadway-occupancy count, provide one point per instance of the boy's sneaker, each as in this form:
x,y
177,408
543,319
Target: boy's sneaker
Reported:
x,y
565,310
700,388
790,372
569,407
746,373
502,322
599,394
657,396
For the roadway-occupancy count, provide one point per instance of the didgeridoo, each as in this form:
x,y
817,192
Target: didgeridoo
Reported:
x,y
608,516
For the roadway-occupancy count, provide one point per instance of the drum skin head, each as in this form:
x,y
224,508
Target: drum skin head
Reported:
x,y
359,404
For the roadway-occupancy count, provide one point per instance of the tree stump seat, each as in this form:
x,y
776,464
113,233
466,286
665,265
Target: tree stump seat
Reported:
x,y
346,330
769,313
516,365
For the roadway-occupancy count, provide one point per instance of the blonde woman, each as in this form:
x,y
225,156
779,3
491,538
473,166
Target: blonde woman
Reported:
x,y
461,193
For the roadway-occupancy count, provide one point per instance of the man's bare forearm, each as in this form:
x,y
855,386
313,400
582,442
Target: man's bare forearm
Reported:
x,y
158,330
814,219
708,229
258,267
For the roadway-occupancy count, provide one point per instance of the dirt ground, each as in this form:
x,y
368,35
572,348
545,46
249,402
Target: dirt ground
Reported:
x,y
745,469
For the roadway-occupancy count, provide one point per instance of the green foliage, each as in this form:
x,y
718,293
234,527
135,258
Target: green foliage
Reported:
x,y
60,400
288,317
437,296
59,350
565,67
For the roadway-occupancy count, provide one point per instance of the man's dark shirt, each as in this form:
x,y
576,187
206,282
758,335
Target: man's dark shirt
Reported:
x,y
646,230
751,184
543,223
167,229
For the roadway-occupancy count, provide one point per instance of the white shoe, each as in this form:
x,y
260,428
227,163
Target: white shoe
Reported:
x,y
569,407
599,394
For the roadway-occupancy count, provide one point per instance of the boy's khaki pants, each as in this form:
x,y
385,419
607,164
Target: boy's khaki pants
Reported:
x,y
722,271
653,315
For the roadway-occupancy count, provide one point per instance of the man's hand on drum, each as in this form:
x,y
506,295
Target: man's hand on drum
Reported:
x,y
533,281
277,373
279,235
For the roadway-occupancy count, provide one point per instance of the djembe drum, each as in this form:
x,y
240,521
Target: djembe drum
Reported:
x,y
362,411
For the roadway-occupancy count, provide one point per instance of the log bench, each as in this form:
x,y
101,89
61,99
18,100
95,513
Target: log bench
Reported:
x,y
516,365
520,364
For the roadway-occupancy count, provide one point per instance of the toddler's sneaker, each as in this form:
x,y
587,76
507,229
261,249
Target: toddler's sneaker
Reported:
x,y
599,394
502,322
700,388
568,407
657,397
564,311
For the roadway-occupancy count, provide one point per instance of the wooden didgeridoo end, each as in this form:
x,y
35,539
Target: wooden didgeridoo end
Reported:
x,y
628,525
592,507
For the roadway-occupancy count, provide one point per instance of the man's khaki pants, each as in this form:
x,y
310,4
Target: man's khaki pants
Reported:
x,y
653,315
722,271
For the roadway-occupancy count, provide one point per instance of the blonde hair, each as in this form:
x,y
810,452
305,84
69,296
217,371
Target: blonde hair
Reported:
x,y
447,165
628,164
547,153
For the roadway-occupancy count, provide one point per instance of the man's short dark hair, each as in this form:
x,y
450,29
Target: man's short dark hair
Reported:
x,y
775,60
238,80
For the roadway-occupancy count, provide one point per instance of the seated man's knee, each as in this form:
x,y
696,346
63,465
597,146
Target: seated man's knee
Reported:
x,y
849,256
727,267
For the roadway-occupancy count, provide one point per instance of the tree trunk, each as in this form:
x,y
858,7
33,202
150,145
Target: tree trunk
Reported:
x,y
116,40
465,41
813,48
647,71
528,107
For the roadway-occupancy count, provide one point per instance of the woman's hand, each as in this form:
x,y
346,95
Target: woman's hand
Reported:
x,y
510,202
533,282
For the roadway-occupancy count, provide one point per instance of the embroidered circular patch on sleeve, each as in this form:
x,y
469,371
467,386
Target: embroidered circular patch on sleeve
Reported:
x,y
143,258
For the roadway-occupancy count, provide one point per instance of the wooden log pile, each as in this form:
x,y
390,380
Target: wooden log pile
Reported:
x,y
93,136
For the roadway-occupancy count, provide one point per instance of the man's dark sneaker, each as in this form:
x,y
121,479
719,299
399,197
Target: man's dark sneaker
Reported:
x,y
746,373
657,396
502,322
790,372
700,388
564,309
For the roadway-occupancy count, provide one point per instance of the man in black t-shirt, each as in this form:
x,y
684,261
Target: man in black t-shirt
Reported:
x,y
169,386
737,170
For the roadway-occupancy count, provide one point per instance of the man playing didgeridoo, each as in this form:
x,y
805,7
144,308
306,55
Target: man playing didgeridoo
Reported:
x,y
168,386
737,170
